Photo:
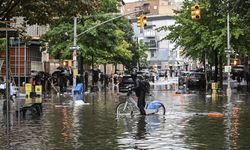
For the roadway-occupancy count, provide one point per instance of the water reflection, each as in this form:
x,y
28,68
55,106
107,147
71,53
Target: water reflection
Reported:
x,y
141,128
95,126
66,125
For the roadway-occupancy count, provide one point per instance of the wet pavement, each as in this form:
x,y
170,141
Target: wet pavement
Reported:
x,y
94,125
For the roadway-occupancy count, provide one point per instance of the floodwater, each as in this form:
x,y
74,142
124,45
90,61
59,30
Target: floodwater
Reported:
x,y
185,126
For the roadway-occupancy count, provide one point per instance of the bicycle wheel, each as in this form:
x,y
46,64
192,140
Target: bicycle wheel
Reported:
x,y
124,108
161,110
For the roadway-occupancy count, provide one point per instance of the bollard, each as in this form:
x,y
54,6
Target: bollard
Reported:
x,y
214,87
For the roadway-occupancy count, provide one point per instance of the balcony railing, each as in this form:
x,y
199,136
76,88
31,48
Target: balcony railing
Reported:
x,y
149,33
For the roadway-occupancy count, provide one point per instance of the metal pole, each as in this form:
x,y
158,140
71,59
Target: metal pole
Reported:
x,y
19,64
228,49
74,53
107,22
205,69
25,62
7,84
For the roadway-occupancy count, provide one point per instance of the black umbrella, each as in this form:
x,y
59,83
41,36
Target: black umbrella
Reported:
x,y
61,68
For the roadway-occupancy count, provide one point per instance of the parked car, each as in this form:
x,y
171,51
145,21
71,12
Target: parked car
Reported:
x,y
127,81
196,80
183,77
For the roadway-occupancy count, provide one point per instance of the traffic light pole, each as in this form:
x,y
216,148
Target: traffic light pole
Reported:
x,y
74,55
229,51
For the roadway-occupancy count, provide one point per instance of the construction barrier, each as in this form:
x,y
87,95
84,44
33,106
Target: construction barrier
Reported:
x,y
38,90
28,89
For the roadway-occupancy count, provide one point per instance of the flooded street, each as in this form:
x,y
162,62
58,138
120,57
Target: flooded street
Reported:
x,y
94,125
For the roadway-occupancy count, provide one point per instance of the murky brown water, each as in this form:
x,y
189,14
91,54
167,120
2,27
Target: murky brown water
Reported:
x,y
186,125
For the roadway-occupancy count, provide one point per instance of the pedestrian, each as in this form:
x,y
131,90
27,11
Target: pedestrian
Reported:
x,y
62,81
248,80
3,88
115,79
106,80
166,75
95,76
86,80
140,94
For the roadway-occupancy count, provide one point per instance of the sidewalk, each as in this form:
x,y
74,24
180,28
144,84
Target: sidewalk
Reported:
x,y
163,81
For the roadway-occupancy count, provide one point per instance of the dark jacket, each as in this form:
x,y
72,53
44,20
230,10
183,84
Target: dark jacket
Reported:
x,y
137,87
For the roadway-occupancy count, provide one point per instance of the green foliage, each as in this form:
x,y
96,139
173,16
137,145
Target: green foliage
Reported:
x,y
209,33
58,40
110,42
2,44
45,11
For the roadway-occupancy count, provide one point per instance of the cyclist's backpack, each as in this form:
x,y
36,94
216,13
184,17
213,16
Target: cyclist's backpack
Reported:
x,y
144,85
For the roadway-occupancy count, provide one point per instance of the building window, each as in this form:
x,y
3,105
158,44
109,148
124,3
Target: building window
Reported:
x,y
152,43
152,53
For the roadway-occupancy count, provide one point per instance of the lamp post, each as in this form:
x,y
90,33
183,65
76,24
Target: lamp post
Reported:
x,y
228,51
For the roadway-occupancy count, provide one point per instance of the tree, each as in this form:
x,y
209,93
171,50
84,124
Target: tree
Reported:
x,y
45,11
110,42
207,35
2,43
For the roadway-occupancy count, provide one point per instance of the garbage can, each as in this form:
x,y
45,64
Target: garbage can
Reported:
x,y
79,92
79,88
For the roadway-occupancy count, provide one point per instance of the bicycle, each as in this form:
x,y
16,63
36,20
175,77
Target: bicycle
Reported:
x,y
129,107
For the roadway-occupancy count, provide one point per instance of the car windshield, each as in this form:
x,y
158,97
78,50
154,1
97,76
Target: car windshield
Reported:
x,y
185,73
127,79
196,75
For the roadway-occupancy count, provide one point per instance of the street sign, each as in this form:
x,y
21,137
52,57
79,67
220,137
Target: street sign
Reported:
x,y
228,69
74,48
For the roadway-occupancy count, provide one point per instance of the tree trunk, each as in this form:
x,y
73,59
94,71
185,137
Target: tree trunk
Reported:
x,y
92,70
221,73
105,76
115,67
216,65
80,68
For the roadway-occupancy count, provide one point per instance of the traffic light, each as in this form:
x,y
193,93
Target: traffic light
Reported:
x,y
196,12
144,20
141,21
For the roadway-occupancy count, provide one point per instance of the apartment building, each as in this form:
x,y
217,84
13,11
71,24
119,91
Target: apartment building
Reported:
x,y
162,53
24,54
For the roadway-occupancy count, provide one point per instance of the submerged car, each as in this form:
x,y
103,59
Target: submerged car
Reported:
x,y
196,80
183,77
126,82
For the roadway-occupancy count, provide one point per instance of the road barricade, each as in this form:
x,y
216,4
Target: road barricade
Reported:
x,y
28,89
38,90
